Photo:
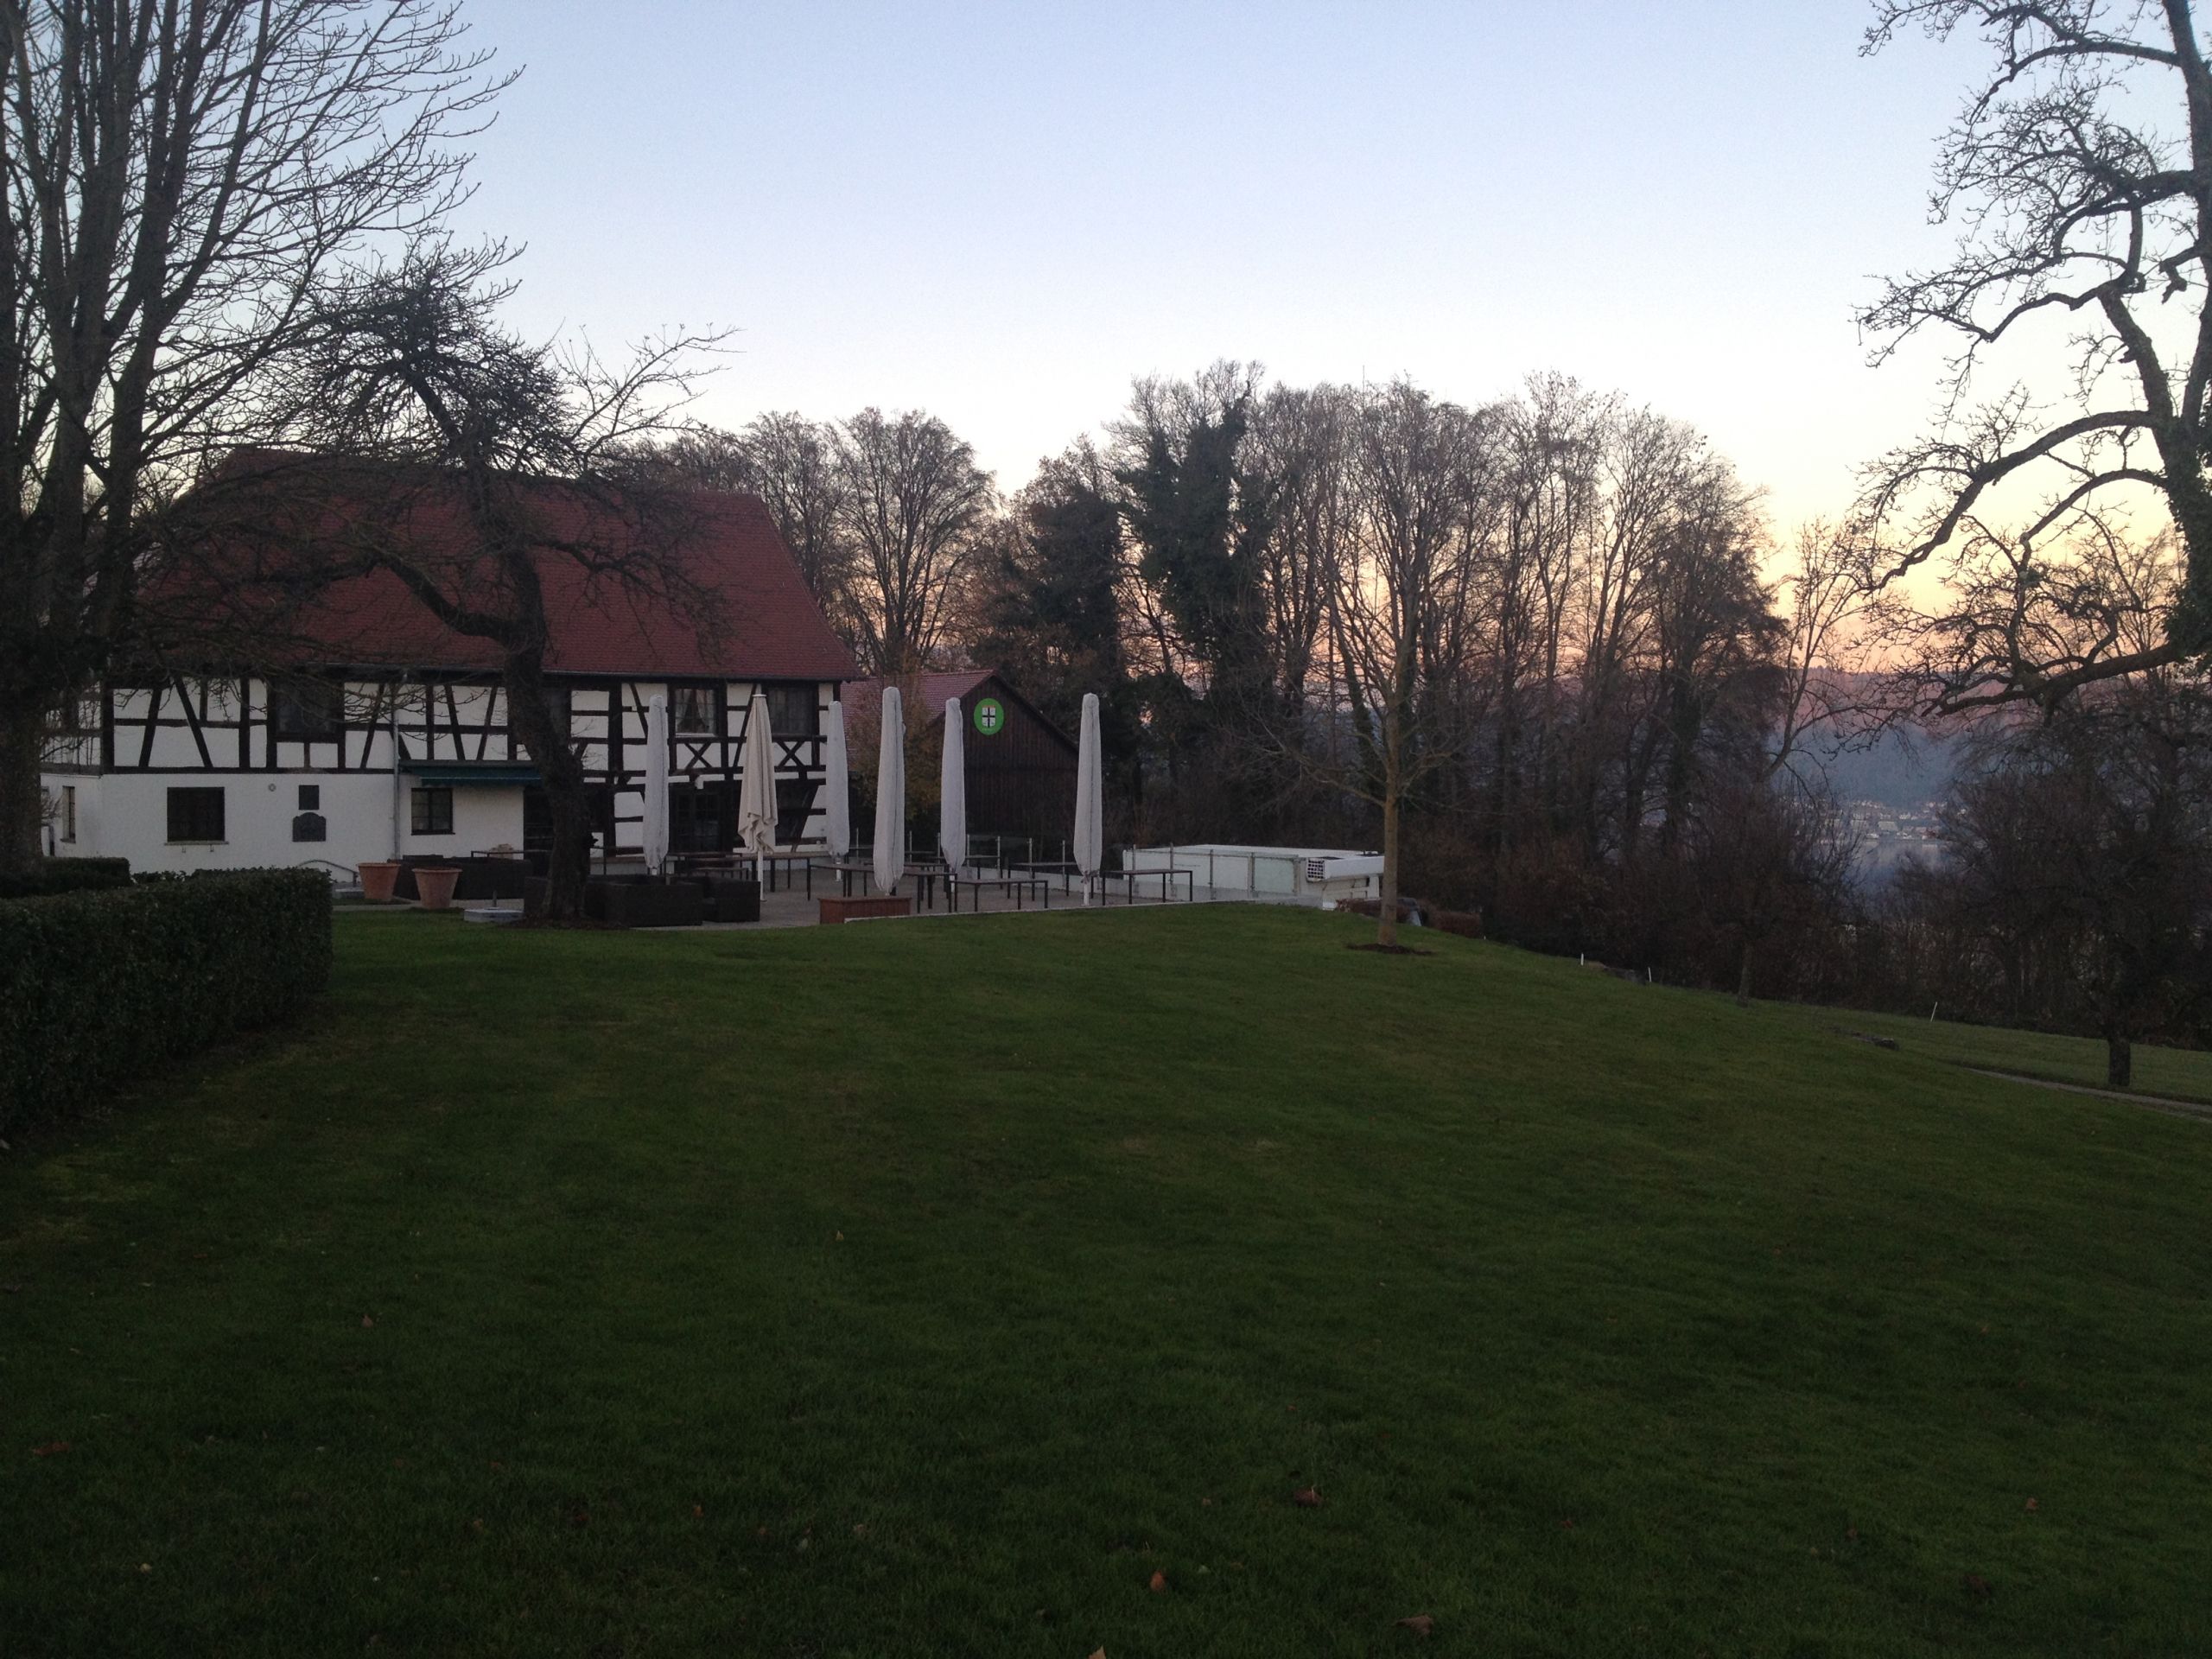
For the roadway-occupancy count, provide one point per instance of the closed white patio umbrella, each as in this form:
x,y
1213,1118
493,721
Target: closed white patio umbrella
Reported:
x,y
891,795
839,806
756,786
1090,797
656,784
953,791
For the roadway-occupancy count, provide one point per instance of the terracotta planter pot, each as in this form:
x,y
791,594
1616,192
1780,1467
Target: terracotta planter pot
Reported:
x,y
378,877
435,887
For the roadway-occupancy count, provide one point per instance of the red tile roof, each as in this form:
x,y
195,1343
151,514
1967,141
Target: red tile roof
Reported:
x,y
760,622
923,695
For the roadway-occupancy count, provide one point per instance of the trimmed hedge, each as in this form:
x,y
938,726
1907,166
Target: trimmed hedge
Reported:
x,y
97,988
66,875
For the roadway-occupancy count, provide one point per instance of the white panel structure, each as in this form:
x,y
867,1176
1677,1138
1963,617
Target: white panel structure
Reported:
x,y
1293,875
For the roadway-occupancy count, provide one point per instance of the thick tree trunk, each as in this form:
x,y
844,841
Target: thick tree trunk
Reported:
x,y
1386,921
22,804
1744,978
2120,1060
569,862
530,715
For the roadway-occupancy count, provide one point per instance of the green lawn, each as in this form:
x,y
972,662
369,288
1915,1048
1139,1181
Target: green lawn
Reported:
x,y
926,1288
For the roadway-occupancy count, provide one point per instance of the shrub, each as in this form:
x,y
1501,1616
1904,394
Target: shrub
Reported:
x,y
99,987
66,875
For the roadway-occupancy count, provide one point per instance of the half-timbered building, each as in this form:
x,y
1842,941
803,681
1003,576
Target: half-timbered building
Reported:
x,y
386,734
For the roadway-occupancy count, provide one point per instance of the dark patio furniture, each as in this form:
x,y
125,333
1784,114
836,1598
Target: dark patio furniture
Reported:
x,y
731,899
640,901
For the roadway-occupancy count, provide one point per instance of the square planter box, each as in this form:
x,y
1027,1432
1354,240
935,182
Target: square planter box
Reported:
x,y
644,904
853,910
736,899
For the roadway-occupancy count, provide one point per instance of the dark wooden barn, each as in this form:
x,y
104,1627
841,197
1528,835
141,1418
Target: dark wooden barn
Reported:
x,y
1020,766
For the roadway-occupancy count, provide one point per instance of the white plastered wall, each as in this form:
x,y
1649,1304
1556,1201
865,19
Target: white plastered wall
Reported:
x,y
125,814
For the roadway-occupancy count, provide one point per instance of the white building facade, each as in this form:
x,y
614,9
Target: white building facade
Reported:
x,y
337,762
191,773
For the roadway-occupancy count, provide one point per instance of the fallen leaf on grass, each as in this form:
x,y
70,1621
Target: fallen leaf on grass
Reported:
x,y
51,1449
367,1324
1420,1624
1159,1583
1100,1654
2031,1502
1977,1586
1306,1498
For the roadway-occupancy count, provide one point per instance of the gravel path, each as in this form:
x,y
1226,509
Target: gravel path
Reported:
x,y
2157,1103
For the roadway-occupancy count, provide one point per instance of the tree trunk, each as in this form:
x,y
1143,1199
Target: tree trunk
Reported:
x,y
1743,977
2120,1060
569,861
22,804
530,716
1386,921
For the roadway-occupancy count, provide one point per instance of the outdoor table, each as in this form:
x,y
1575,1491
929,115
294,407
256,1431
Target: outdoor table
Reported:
x,y
784,861
1130,878
1045,870
1015,886
926,878
845,869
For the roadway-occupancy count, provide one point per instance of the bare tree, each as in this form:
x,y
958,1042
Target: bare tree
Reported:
x,y
469,463
2080,171
1402,584
2093,828
790,463
182,181
914,502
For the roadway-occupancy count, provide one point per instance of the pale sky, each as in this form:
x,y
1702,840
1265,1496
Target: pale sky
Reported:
x,y
1003,212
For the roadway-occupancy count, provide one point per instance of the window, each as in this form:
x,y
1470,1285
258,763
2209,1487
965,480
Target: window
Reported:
x,y
309,824
696,710
794,711
433,811
697,821
68,812
195,815
309,709
794,805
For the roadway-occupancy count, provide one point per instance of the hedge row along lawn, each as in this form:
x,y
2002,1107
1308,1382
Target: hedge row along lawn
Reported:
x,y
946,1287
100,987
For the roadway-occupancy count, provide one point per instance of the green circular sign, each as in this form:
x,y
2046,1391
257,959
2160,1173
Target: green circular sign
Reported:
x,y
990,716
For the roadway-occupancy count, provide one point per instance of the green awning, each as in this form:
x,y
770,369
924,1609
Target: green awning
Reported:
x,y
508,774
